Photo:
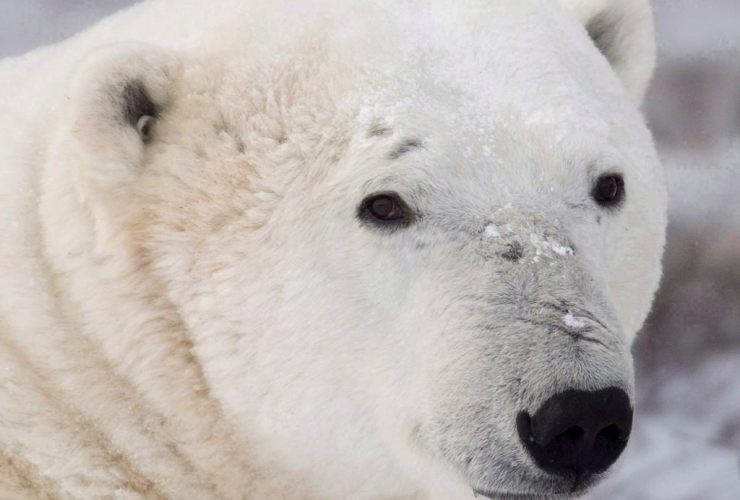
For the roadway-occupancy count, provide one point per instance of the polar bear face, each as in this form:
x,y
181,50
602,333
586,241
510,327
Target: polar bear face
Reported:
x,y
401,260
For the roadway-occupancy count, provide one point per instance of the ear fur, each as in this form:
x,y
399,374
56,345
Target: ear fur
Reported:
x,y
623,31
110,90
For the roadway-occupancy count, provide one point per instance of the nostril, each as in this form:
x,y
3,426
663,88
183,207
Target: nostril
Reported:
x,y
610,433
610,436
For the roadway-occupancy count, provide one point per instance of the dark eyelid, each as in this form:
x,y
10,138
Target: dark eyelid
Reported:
x,y
613,204
366,218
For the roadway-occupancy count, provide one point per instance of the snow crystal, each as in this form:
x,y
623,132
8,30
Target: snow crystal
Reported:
x,y
542,245
491,230
538,243
562,250
573,321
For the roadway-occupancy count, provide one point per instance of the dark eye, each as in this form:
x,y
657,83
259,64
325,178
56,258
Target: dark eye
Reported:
x,y
386,210
609,190
144,127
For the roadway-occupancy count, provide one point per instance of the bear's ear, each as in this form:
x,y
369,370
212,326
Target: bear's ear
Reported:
x,y
114,99
623,31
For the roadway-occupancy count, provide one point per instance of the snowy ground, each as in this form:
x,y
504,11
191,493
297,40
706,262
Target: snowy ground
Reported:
x,y
686,442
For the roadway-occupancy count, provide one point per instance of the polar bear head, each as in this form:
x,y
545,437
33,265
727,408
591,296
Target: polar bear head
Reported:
x,y
411,243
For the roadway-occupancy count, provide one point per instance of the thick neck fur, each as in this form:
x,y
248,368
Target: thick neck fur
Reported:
x,y
114,403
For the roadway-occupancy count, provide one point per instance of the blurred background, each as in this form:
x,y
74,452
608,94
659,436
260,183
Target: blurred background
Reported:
x,y
686,442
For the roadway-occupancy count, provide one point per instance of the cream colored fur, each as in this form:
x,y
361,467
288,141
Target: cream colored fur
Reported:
x,y
203,316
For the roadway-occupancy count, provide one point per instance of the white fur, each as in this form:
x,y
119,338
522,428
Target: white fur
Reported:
x,y
204,316
630,41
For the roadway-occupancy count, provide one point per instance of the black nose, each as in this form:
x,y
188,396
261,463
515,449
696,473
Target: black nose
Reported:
x,y
578,433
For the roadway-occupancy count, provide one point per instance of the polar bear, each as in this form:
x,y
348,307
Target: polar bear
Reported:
x,y
333,249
